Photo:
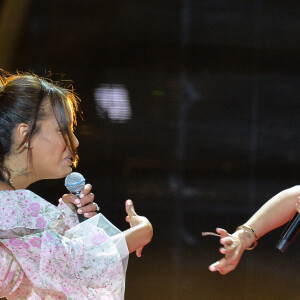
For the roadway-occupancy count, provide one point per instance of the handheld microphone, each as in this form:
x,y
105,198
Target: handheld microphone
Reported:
x,y
75,182
289,234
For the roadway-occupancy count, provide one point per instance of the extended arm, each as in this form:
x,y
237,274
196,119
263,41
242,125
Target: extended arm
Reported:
x,y
274,213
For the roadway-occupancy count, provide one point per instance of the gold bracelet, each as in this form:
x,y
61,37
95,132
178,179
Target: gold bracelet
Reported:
x,y
254,234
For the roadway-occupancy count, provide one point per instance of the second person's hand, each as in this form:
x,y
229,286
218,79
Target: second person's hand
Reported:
x,y
233,249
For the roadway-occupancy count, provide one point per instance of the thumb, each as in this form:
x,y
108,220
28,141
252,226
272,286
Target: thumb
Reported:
x,y
130,208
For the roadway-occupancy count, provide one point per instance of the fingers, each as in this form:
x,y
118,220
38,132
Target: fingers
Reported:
x,y
222,266
228,242
84,204
85,197
138,252
87,205
86,200
214,267
222,232
88,210
130,208
231,249
85,192
70,198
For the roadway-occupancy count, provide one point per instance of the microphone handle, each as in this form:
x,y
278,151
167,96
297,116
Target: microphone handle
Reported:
x,y
81,217
289,234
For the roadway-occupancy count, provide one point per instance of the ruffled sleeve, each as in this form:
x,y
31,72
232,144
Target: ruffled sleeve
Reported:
x,y
84,263
11,273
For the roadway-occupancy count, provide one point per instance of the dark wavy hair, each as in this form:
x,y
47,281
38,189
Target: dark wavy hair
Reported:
x,y
23,99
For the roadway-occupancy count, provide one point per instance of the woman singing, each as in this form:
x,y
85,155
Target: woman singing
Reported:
x,y
44,252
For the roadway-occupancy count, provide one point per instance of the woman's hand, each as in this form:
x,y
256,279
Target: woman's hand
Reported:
x,y
143,233
84,204
233,248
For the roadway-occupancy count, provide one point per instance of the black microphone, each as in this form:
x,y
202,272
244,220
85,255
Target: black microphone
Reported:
x,y
75,182
289,234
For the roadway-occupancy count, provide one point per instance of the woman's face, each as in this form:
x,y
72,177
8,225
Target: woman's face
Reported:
x,y
51,158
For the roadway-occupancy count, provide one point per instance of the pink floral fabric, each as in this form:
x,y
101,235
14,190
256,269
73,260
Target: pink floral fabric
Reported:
x,y
41,258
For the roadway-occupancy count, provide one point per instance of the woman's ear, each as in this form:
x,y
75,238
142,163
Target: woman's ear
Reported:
x,y
22,131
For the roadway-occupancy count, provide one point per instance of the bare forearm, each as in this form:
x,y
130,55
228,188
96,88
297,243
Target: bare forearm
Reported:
x,y
274,213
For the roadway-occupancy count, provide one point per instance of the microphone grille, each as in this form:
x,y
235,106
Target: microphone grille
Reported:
x,y
74,182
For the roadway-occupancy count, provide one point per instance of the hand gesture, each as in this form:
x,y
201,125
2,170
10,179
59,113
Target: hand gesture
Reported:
x,y
233,248
134,220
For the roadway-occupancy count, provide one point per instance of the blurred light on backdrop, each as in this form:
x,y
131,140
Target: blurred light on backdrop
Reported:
x,y
112,100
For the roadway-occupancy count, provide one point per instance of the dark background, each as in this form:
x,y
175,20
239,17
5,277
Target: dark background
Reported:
x,y
214,131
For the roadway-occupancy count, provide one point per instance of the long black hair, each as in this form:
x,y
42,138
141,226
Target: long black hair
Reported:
x,y
23,99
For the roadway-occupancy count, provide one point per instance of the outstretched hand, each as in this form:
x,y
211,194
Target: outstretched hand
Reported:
x,y
233,249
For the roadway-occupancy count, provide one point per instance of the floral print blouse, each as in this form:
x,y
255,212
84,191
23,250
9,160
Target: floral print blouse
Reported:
x,y
46,254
